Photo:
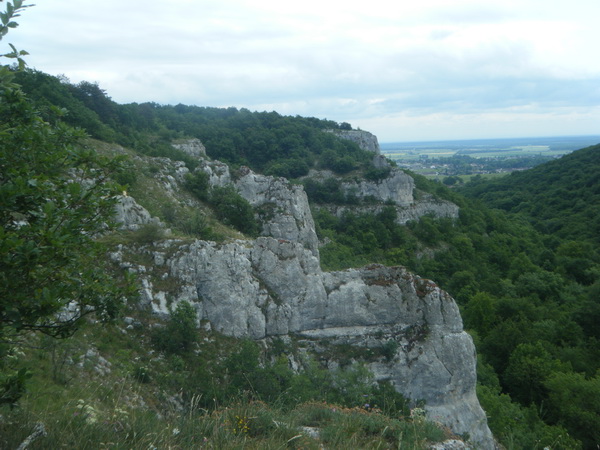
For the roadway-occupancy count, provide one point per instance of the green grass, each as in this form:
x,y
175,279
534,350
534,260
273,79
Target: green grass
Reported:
x,y
88,393
79,424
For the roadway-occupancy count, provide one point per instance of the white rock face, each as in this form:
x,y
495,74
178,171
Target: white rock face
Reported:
x,y
427,205
130,215
284,207
193,147
364,139
218,172
271,287
274,286
398,187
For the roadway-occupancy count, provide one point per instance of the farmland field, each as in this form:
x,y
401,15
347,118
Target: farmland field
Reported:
x,y
478,148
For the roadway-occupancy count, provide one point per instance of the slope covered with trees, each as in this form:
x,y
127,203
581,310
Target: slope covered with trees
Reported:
x,y
527,296
265,141
561,197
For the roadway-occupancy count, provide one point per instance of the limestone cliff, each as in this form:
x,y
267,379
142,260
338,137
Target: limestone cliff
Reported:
x,y
273,286
364,139
397,188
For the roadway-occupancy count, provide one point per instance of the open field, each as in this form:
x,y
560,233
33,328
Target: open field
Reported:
x,y
489,148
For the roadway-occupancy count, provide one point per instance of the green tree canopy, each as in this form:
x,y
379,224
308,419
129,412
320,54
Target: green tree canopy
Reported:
x,y
56,197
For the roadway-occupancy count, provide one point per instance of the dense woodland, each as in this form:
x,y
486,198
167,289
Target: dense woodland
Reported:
x,y
522,260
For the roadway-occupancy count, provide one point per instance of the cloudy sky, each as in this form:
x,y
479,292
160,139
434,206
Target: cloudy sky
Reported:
x,y
404,70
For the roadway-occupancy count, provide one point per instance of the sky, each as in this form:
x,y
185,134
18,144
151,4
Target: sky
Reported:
x,y
404,70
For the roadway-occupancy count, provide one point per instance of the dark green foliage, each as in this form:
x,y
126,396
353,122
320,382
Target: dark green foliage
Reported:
x,y
521,427
560,197
328,191
148,234
55,196
288,168
531,299
529,294
195,224
267,142
232,209
529,367
13,385
375,174
180,334
360,239
574,402
198,184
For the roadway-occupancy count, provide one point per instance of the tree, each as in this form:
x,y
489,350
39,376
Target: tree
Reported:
x,y
56,197
529,367
234,210
574,402
180,334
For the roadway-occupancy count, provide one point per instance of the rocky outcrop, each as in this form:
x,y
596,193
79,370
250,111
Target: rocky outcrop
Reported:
x,y
282,206
272,287
130,215
433,207
218,172
193,147
364,139
427,205
397,188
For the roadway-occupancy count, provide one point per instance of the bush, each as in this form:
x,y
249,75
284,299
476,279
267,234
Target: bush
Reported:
x,y
198,184
148,234
232,209
180,333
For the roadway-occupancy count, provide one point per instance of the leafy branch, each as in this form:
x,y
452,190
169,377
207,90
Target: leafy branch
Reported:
x,y
12,11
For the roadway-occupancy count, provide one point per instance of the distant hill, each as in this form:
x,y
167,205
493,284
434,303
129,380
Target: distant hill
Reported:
x,y
267,142
561,197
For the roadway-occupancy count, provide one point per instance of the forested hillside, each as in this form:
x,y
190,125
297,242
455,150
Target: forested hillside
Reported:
x,y
527,275
120,377
561,198
265,141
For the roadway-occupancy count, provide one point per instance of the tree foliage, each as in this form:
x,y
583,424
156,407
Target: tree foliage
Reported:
x,y
55,198
265,141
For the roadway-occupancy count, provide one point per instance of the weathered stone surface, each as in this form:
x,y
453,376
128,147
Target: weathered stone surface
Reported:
x,y
404,214
274,287
193,147
283,207
428,205
130,215
397,187
364,139
218,172
271,287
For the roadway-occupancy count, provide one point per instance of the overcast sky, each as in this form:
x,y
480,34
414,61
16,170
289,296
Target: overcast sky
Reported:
x,y
404,70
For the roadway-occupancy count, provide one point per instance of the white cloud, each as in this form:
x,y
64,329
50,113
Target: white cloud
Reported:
x,y
445,68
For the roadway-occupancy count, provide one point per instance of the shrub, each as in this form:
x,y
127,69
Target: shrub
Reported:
x,y
148,234
180,333
232,209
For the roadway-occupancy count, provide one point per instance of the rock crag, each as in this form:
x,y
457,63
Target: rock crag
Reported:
x,y
273,286
364,139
